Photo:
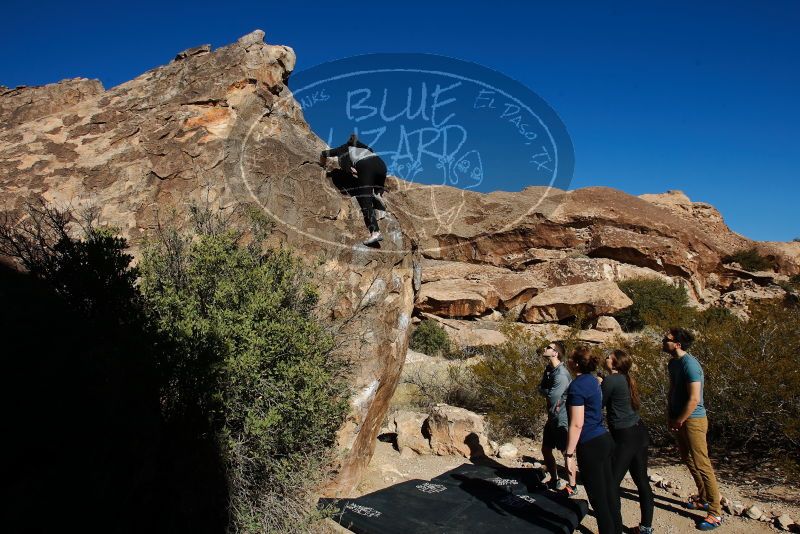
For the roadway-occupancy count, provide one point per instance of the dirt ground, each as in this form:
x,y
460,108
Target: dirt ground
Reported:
x,y
388,468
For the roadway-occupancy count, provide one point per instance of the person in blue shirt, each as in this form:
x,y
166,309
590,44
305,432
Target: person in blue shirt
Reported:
x,y
686,417
370,172
589,440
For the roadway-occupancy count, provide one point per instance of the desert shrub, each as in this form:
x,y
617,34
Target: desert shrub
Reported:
x,y
752,379
752,371
749,259
793,283
452,384
78,353
710,318
244,351
507,383
431,339
655,302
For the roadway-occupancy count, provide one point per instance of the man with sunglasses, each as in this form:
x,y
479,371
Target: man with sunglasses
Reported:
x,y
686,417
554,384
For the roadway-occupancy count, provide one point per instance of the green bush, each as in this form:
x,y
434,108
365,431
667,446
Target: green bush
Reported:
x,y
242,347
431,339
507,384
752,379
453,384
750,260
655,302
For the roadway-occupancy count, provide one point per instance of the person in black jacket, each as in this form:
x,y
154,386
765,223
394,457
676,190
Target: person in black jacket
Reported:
x,y
370,172
631,438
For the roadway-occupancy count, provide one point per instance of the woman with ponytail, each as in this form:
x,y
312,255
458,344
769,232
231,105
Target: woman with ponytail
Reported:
x,y
621,399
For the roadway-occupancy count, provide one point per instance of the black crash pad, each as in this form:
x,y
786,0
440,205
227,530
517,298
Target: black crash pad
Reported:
x,y
467,499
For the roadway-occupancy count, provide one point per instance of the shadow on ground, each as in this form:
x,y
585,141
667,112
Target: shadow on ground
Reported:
x,y
87,448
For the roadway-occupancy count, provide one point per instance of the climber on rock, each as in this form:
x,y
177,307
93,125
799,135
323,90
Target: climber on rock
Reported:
x,y
370,173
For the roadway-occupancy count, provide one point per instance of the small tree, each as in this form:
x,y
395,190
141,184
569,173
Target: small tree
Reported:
x,y
431,339
507,381
244,349
655,302
750,260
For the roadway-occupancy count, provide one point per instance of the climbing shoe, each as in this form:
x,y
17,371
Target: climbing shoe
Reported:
x,y
696,503
570,491
374,238
710,522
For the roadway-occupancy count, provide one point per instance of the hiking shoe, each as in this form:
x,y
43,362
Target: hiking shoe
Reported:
x,y
710,522
554,484
570,491
374,238
695,503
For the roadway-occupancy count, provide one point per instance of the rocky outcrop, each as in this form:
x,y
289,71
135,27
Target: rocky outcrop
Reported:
x,y
588,300
220,128
457,298
456,431
665,235
408,426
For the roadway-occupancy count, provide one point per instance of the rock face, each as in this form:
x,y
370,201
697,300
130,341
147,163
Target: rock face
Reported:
x,y
456,431
221,128
457,298
409,429
611,234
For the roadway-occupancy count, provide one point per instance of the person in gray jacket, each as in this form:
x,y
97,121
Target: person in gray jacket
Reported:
x,y
555,380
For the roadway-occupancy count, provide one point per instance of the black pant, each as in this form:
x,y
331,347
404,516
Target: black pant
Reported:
x,y
594,461
630,454
371,179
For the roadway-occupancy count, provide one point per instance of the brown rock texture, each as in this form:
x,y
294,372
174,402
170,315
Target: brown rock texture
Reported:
x,y
220,128
456,431
590,300
667,235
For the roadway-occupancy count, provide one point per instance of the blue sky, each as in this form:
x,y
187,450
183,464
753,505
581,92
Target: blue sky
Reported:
x,y
697,96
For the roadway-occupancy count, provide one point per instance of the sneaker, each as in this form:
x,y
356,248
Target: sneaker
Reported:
x,y
374,238
570,491
554,484
645,530
695,503
710,522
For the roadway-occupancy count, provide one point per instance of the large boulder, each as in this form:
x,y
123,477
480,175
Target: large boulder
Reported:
x,y
220,128
457,432
457,298
588,300
408,426
511,288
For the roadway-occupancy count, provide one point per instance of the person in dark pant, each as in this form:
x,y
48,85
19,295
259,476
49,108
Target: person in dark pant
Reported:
x,y
370,172
553,386
631,439
591,442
